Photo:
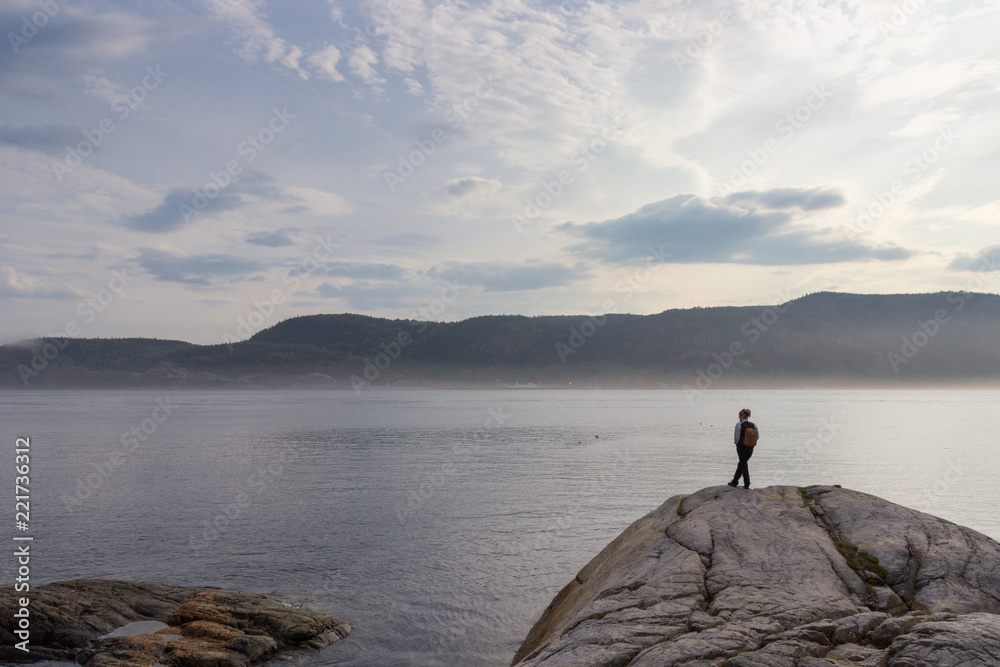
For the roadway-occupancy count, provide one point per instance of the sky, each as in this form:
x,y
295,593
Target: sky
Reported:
x,y
200,170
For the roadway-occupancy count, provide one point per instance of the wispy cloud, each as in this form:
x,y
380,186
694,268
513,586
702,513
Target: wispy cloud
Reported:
x,y
363,271
500,277
813,199
177,210
408,239
182,206
48,139
470,185
362,63
200,270
325,61
14,285
985,259
258,41
69,44
367,296
279,238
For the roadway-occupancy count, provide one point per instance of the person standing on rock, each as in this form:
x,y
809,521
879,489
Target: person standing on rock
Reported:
x,y
744,448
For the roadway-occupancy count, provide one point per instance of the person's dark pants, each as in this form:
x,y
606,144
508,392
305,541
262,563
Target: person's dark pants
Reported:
x,y
744,453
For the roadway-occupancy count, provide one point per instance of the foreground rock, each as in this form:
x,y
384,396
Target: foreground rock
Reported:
x,y
156,624
776,577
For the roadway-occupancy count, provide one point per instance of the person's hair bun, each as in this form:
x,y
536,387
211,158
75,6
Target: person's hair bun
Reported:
x,y
747,410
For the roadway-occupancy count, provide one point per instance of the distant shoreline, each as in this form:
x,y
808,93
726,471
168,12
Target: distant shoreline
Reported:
x,y
824,340
803,386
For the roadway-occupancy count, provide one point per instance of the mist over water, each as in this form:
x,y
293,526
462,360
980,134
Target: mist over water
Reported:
x,y
441,523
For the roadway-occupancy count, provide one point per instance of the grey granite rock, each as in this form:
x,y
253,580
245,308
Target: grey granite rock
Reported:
x,y
777,577
968,639
71,620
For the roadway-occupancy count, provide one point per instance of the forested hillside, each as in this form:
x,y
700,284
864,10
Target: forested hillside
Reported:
x,y
820,339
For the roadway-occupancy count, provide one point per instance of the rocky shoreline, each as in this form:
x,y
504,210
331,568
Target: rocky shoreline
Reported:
x,y
106,623
785,576
779,577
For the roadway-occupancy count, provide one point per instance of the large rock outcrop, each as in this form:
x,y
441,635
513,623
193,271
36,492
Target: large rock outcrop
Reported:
x,y
102,623
779,577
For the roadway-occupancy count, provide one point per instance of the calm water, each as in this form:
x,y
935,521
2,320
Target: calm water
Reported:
x,y
441,523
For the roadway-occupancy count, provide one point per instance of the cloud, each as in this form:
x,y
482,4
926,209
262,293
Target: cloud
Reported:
x,y
336,11
328,291
291,60
496,277
180,206
104,89
259,43
259,184
279,238
50,139
784,198
985,259
73,40
407,239
758,228
555,76
362,63
387,286
927,81
199,270
75,31
313,200
413,87
325,60
370,296
177,210
364,271
13,285
468,185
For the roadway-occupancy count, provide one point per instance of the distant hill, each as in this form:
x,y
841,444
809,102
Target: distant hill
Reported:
x,y
820,339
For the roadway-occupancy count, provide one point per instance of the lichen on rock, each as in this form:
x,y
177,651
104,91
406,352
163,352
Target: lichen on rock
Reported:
x,y
784,576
